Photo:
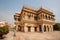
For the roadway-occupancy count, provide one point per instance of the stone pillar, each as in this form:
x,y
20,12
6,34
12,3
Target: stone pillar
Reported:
x,y
25,29
42,28
22,29
32,29
37,29
51,28
46,29
17,28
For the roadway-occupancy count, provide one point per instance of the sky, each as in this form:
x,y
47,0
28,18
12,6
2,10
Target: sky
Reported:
x,y
9,7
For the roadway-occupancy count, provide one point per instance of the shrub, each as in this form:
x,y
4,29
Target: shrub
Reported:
x,y
3,30
57,26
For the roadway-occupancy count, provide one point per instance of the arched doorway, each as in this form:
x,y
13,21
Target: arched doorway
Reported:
x,y
19,28
35,28
40,29
29,29
44,28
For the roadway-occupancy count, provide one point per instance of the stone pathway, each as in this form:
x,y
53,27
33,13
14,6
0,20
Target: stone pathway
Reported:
x,y
34,36
9,36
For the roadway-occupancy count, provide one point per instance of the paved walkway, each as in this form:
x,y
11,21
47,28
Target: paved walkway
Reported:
x,y
33,36
41,36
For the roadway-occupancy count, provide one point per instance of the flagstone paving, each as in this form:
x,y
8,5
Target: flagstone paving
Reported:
x,y
33,36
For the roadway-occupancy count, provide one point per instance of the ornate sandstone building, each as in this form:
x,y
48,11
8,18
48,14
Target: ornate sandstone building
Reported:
x,y
31,20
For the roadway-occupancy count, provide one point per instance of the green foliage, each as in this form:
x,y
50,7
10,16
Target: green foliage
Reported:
x,y
57,26
4,30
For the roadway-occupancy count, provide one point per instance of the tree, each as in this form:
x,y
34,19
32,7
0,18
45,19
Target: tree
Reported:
x,y
3,30
57,26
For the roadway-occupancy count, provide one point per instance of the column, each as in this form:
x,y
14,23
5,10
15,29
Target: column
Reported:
x,y
37,29
51,28
42,28
16,27
46,29
25,29
32,29
22,29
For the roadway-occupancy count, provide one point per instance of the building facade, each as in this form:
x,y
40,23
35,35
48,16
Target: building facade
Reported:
x,y
3,23
31,20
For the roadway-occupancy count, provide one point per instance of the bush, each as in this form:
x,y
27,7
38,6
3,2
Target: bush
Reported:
x,y
57,26
4,30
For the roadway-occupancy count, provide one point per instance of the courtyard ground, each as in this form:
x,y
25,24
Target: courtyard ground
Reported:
x,y
55,35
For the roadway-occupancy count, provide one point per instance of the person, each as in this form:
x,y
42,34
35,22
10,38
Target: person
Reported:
x,y
14,33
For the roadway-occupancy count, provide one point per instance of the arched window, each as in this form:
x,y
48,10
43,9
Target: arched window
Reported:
x,y
15,17
19,18
46,16
29,16
35,18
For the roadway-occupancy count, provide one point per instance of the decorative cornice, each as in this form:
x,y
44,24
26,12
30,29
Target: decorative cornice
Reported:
x,y
34,11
